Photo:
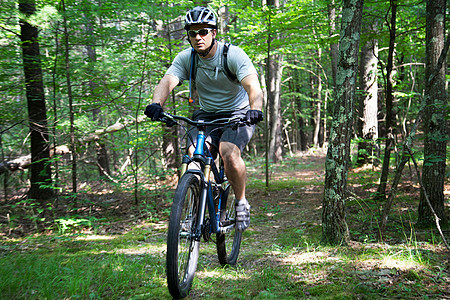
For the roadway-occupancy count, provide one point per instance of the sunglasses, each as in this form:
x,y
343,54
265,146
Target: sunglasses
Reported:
x,y
201,32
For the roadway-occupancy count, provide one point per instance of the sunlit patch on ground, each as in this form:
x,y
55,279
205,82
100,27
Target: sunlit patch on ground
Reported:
x,y
158,250
310,257
391,262
94,237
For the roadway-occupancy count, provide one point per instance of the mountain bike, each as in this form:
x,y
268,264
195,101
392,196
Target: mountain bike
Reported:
x,y
199,189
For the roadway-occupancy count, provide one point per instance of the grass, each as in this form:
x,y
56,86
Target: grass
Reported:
x,y
290,265
281,254
80,266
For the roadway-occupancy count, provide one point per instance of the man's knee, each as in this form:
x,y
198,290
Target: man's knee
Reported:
x,y
229,151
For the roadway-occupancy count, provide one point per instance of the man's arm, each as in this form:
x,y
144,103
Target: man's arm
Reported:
x,y
164,88
253,89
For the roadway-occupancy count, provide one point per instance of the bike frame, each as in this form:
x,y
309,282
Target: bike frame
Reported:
x,y
204,157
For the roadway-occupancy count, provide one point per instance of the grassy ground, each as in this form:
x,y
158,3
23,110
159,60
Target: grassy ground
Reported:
x,y
117,251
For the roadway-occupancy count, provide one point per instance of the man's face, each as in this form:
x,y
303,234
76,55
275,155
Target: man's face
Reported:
x,y
199,42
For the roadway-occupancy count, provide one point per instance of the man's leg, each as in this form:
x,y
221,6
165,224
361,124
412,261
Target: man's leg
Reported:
x,y
234,168
237,176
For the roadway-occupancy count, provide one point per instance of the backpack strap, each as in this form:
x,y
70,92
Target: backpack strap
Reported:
x,y
193,69
229,74
192,73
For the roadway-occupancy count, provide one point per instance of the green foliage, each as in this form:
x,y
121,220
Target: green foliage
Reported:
x,y
131,55
73,223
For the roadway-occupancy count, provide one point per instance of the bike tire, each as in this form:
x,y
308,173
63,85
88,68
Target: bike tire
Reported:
x,y
182,248
228,244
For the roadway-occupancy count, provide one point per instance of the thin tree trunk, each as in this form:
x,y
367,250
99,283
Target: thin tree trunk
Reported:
x,y
294,126
5,177
318,106
100,146
69,95
390,114
334,47
55,110
171,152
397,175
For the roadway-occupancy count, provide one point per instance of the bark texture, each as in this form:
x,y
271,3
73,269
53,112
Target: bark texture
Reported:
x,y
40,171
435,112
334,225
367,122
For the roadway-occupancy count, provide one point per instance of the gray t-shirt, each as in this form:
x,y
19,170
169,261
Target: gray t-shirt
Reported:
x,y
216,92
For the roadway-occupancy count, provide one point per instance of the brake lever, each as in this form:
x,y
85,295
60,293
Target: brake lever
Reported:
x,y
241,123
170,122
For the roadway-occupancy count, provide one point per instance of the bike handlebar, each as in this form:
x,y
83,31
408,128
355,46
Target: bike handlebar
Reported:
x,y
239,121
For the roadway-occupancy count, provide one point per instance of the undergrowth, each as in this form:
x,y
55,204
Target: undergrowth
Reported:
x,y
116,250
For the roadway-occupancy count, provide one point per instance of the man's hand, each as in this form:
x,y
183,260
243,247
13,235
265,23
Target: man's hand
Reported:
x,y
153,111
254,116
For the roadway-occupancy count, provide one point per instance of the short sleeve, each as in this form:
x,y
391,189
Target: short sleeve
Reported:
x,y
180,65
239,63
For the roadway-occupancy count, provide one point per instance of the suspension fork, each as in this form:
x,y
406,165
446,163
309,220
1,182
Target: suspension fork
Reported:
x,y
203,201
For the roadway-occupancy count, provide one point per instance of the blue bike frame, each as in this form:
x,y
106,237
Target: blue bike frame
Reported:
x,y
204,157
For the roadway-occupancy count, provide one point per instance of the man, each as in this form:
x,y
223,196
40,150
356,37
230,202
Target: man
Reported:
x,y
218,96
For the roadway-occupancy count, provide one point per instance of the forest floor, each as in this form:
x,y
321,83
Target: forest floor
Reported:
x,y
111,248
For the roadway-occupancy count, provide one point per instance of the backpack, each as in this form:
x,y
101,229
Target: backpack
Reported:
x,y
193,68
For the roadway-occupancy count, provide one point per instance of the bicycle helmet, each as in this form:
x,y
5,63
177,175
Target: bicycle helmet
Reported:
x,y
200,15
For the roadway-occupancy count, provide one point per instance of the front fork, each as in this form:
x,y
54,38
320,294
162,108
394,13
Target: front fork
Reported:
x,y
204,187
206,199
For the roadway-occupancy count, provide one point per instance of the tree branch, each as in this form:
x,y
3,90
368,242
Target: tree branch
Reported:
x,y
9,30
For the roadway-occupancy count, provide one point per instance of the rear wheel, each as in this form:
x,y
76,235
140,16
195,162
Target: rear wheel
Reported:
x,y
228,244
182,248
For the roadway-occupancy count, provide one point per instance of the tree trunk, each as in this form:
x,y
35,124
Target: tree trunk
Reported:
x,y
100,146
334,225
274,105
334,47
318,104
5,177
273,81
390,119
367,123
302,136
69,96
40,173
171,142
435,130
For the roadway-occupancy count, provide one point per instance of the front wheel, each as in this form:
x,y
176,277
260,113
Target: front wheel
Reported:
x,y
182,247
228,244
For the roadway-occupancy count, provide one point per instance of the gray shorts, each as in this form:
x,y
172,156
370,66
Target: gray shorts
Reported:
x,y
215,135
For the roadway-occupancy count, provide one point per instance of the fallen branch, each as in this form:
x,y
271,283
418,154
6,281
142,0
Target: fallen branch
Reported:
x,y
96,135
24,162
